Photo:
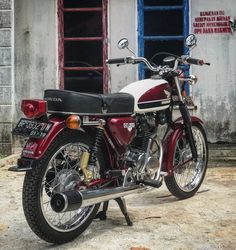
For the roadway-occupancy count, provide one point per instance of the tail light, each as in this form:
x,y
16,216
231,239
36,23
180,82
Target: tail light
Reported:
x,y
34,108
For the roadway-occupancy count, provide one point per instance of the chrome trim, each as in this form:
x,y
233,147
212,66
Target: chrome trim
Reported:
x,y
177,84
102,122
97,196
90,114
91,123
160,100
88,198
147,154
159,172
129,171
163,173
178,88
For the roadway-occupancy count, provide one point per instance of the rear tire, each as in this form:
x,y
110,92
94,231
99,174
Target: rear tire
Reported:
x,y
57,171
188,177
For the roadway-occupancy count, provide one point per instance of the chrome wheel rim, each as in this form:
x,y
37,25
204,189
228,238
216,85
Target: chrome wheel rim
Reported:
x,y
63,170
188,174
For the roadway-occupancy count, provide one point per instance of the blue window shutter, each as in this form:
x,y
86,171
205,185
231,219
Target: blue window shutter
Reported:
x,y
142,9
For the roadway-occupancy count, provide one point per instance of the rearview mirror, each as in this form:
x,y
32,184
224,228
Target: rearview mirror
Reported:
x,y
191,41
123,43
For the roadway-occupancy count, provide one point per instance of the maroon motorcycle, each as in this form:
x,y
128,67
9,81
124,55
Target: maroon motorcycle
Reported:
x,y
86,149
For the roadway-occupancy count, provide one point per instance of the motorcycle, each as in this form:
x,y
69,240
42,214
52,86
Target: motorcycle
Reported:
x,y
85,149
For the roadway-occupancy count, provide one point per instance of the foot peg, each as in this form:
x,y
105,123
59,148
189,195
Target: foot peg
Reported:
x,y
102,215
151,183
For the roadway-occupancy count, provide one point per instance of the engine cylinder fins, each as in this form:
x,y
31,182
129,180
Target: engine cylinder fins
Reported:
x,y
141,141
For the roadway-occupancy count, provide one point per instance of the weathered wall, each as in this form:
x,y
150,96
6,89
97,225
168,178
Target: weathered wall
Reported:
x,y
122,23
215,93
5,76
35,49
35,61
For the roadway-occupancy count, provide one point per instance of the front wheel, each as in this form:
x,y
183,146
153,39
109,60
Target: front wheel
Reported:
x,y
58,171
187,174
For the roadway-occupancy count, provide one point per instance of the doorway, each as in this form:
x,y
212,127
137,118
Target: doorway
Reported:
x,y
163,25
83,45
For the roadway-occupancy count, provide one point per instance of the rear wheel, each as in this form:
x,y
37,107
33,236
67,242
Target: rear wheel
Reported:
x,y
188,175
57,171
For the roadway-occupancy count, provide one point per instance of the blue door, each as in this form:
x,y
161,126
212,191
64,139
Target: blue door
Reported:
x,y
162,27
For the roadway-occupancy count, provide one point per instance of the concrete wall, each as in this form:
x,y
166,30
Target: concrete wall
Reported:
x,y
215,93
6,15
122,23
35,49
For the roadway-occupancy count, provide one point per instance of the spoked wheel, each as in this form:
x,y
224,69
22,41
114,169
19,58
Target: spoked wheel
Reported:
x,y
57,171
188,175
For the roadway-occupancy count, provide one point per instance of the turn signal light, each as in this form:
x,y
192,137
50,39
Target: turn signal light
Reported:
x,y
34,108
73,122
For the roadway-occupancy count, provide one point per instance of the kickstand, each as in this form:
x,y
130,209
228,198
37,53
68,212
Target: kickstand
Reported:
x,y
123,208
121,202
102,215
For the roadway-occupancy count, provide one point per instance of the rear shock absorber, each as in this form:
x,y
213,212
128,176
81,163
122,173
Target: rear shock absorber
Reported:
x,y
88,159
97,143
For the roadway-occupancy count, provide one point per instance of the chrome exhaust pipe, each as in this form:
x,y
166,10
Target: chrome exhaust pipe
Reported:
x,y
73,200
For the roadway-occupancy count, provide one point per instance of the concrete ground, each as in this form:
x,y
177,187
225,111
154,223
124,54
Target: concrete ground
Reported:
x,y
205,221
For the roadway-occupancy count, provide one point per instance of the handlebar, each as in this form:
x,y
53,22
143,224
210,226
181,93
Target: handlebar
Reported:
x,y
158,69
190,60
116,60
195,61
132,60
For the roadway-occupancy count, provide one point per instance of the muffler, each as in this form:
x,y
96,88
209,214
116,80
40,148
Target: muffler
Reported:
x,y
73,200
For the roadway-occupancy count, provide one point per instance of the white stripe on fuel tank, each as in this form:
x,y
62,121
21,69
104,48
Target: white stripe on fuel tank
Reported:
x,y
137,89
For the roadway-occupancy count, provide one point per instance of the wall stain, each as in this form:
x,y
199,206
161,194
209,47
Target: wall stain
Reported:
x,y
219,117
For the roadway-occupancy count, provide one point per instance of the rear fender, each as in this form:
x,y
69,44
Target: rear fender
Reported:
x,y
169,142
35,148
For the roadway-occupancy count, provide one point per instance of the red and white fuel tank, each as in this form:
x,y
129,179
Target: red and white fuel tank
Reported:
x,y
150,95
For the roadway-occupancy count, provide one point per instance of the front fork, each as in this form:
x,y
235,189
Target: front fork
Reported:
x,y
187,121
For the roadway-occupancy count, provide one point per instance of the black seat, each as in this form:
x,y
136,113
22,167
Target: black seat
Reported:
x,y
88,104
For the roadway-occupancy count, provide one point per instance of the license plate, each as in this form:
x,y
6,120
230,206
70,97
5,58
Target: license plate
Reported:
x,y
32,128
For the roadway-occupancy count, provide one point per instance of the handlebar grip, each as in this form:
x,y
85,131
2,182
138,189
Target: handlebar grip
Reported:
x,y
195,61
116,60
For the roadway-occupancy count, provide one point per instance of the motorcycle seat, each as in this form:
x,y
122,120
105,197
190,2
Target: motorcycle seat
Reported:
x,y
65,101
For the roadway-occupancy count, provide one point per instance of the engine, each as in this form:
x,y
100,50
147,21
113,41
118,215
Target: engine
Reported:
x,y
143,153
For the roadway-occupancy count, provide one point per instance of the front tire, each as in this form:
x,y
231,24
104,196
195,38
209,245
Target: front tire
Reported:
x,y
57,171
188,175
